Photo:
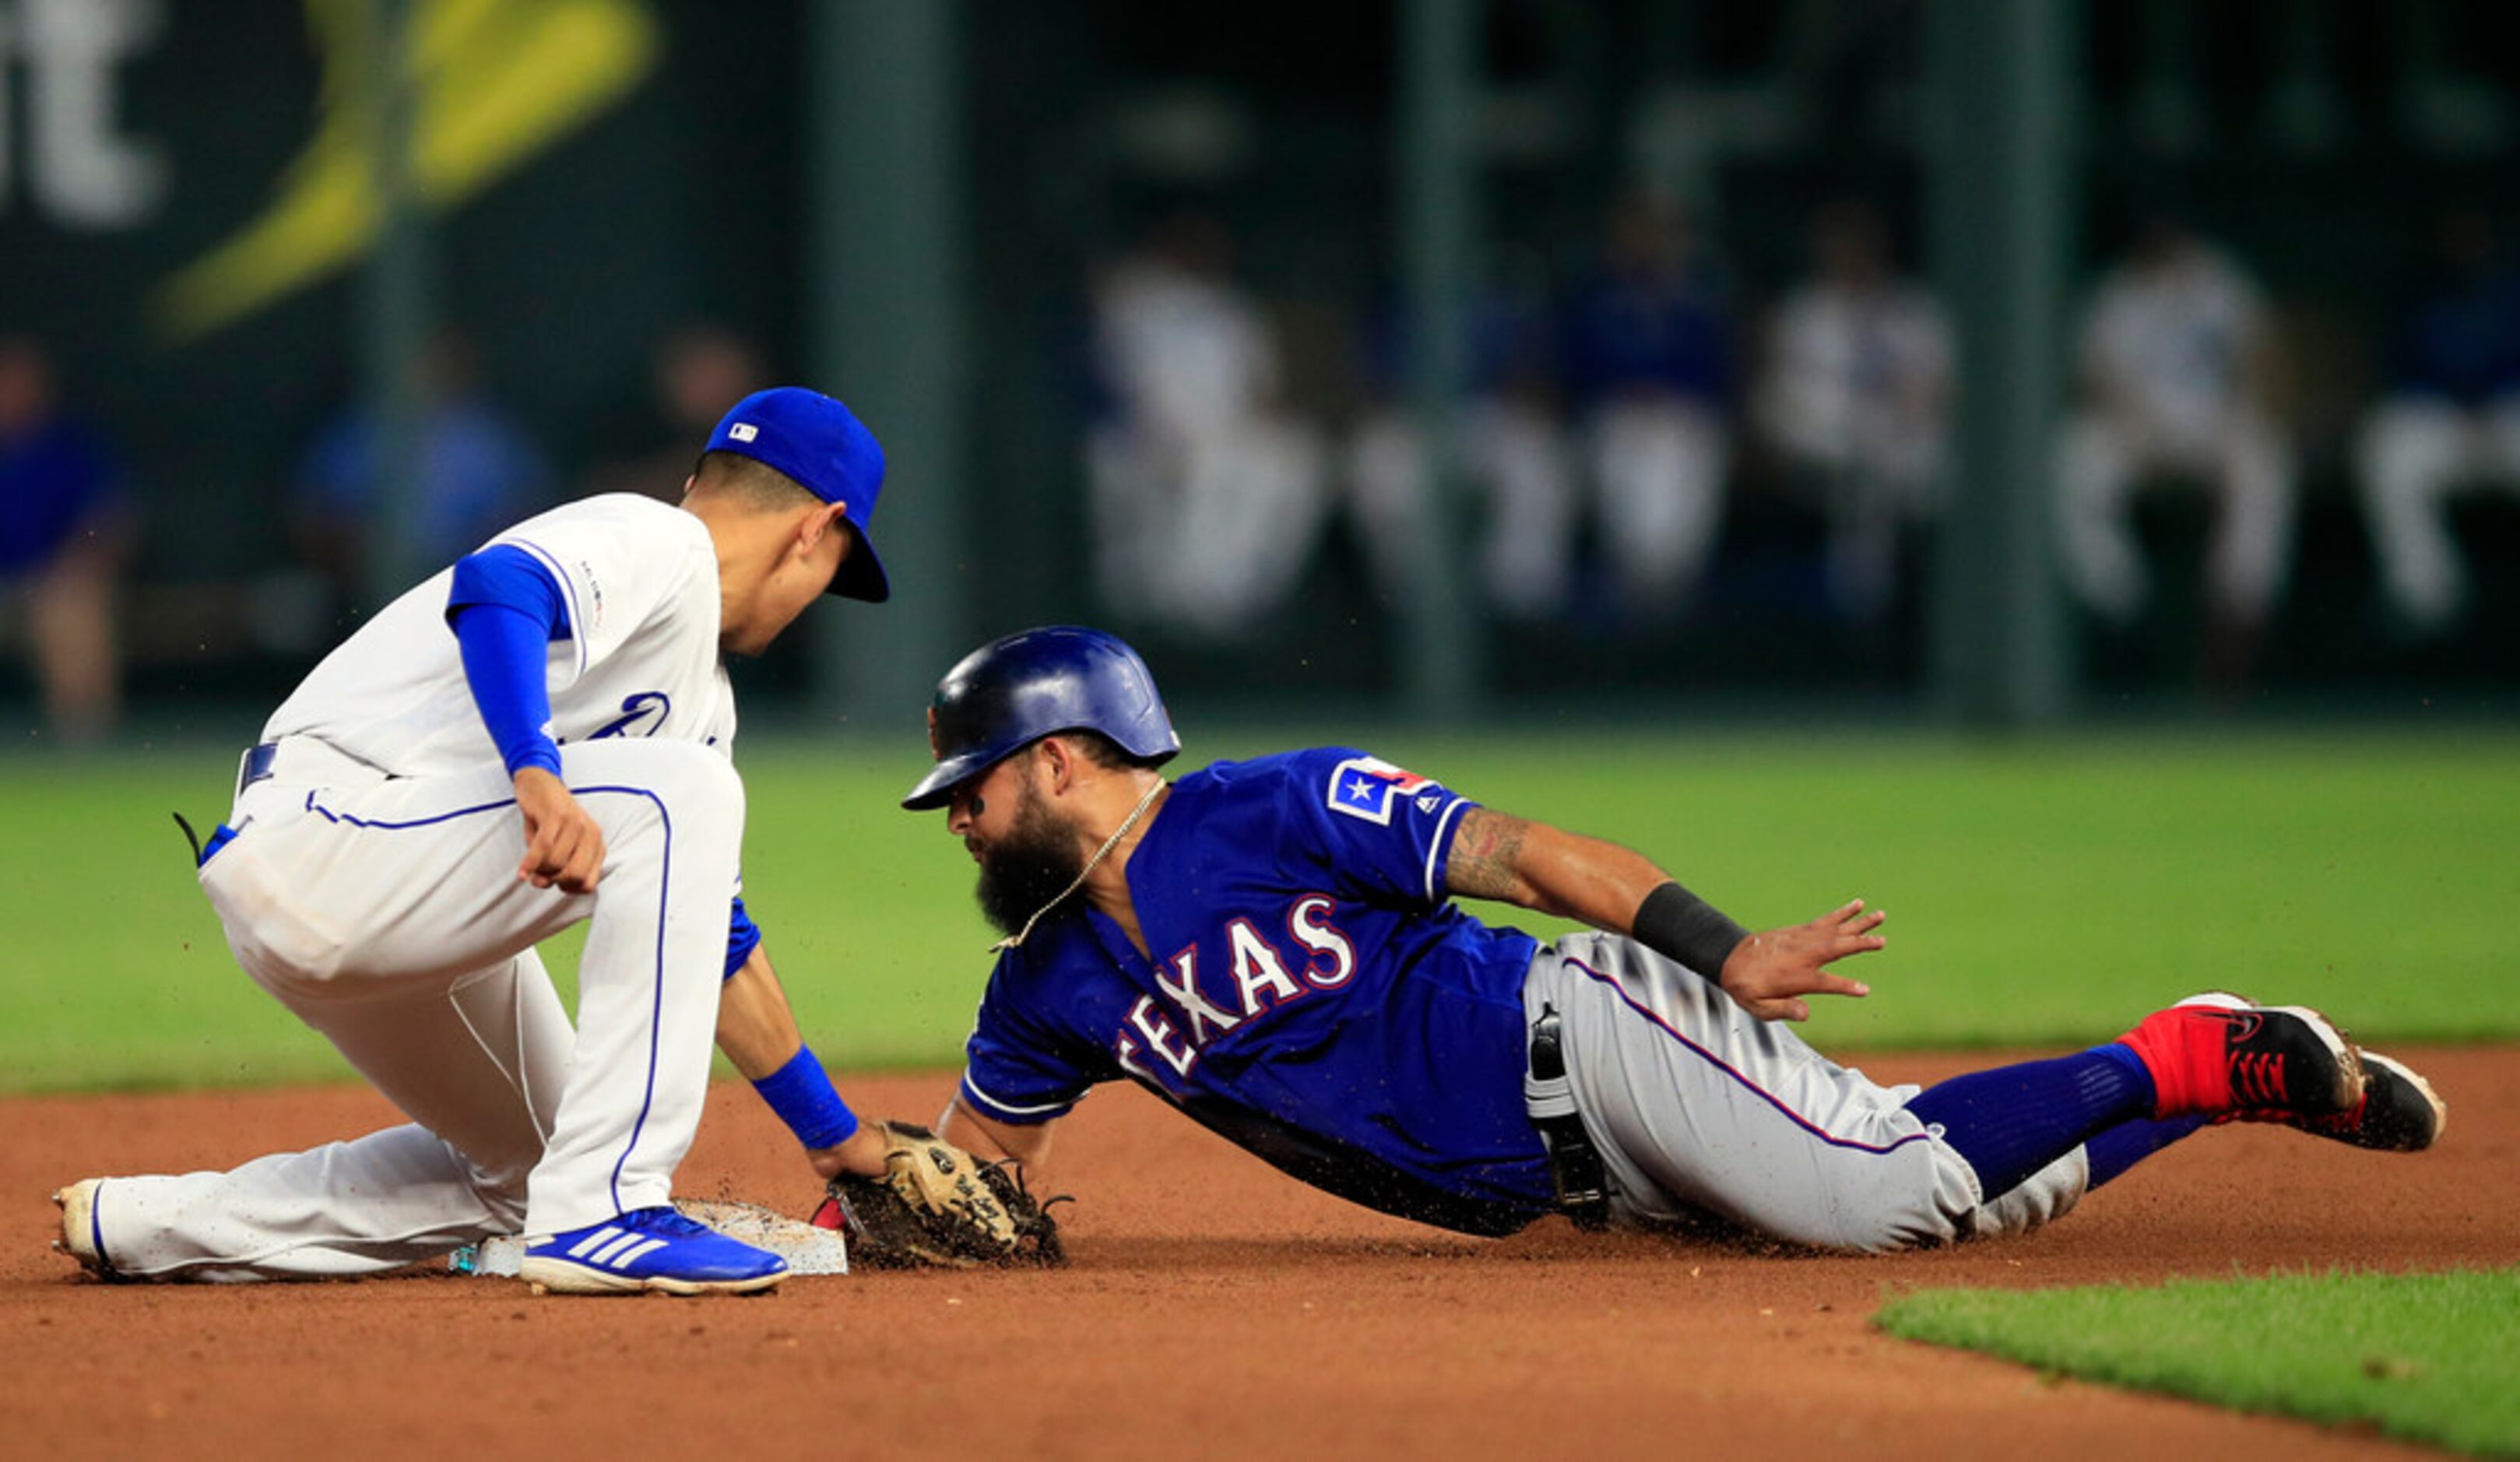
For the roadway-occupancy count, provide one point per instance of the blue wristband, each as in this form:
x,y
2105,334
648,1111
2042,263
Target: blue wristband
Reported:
x,y
803,1096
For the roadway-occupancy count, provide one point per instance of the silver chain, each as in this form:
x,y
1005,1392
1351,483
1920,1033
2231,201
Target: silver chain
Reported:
x,y
1015,940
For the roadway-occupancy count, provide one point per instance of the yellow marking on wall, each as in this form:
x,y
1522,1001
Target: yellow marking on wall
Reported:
x,y
500,81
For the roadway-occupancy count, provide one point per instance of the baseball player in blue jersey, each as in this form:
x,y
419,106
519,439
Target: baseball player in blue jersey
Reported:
x,y
557,694
1272,947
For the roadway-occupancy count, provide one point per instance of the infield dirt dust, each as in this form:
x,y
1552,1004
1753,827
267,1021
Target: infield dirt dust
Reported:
x,y
1213,1308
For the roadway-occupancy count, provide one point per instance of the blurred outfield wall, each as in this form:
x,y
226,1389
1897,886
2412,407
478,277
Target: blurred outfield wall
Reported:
x,y
181,222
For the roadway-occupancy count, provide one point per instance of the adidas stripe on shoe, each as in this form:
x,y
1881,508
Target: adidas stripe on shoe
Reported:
x,y
649,1249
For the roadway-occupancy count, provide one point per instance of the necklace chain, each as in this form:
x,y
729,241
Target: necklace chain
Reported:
x,y
1015,940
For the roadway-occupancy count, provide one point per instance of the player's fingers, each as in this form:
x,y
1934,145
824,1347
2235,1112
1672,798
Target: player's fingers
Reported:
x,y
586,864
555,864
569,858
1863,923
538,863
1842,913
557,853
1827,984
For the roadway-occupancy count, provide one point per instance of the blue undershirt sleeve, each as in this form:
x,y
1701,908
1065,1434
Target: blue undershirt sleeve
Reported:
x,y
505,608
742,936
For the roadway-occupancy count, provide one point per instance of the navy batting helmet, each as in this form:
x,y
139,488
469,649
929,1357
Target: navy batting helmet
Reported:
x,y
1014,692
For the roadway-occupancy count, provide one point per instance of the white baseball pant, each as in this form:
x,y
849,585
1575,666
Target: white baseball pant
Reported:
x,y
2244,461
388,914
2415,453
1513,453
1658,465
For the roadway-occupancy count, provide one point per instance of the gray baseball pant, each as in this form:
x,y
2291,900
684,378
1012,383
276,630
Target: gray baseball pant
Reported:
x,y
1700,1110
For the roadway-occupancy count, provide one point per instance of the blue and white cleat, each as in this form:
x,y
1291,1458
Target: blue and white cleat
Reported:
x,y
649,1249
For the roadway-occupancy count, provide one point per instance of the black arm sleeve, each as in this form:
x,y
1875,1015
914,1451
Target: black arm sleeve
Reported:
x,y
1672,922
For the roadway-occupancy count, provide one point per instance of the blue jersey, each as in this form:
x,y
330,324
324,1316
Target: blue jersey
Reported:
x,y
1624,334
54,481
1308,992
2463,343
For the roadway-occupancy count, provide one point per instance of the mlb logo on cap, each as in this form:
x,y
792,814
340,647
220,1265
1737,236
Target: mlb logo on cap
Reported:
x,y
824,446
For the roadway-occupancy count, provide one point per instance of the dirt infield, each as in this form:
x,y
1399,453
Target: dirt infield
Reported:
x,y
1213,1309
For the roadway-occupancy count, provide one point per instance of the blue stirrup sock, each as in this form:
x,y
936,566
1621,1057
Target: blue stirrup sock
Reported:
x,y
2127,1143
2012,1120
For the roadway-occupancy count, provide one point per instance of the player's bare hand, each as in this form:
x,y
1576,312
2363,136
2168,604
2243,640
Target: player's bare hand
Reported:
x,y
564,844
860,1152
1769,974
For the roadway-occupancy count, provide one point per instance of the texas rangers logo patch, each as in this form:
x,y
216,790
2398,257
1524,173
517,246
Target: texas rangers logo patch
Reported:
x,y
1366,787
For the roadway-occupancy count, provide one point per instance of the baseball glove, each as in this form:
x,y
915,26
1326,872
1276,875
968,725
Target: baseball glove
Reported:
x,y
938,1207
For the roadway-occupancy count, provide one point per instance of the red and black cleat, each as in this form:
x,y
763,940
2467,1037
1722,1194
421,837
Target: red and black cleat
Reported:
x,y
2218,1055
2399,1112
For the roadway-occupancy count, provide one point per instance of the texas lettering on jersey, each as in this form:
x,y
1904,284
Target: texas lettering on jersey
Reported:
x,y
1308,991
1264,975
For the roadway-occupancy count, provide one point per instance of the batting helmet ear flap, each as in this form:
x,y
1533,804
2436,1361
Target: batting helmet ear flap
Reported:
x,y
1011,693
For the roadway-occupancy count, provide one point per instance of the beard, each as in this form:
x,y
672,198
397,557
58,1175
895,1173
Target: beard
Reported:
x,y
1033,863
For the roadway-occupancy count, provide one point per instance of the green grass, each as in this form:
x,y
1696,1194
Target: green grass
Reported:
x,y
2039,895
2424,1358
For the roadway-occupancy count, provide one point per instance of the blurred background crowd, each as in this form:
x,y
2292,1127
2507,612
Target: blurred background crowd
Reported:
x,y
1703,443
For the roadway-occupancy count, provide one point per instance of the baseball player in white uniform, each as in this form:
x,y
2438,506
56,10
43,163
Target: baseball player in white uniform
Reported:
x,y
2173,352
2448,427
1207,496
534,737
1856,393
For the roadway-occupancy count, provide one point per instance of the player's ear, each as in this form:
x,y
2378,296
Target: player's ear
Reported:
x,y
1057,761
828,519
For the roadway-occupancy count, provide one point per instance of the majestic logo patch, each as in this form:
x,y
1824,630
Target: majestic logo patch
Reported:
x,y
1365,788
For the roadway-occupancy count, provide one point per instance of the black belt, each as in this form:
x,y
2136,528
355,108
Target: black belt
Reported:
x,y
253,766
1574,1162
257,765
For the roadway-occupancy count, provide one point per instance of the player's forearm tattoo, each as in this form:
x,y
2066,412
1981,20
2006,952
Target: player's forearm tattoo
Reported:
x,y
1486,848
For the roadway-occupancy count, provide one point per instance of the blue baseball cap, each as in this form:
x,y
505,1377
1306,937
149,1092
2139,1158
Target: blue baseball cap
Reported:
x,y
829,452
